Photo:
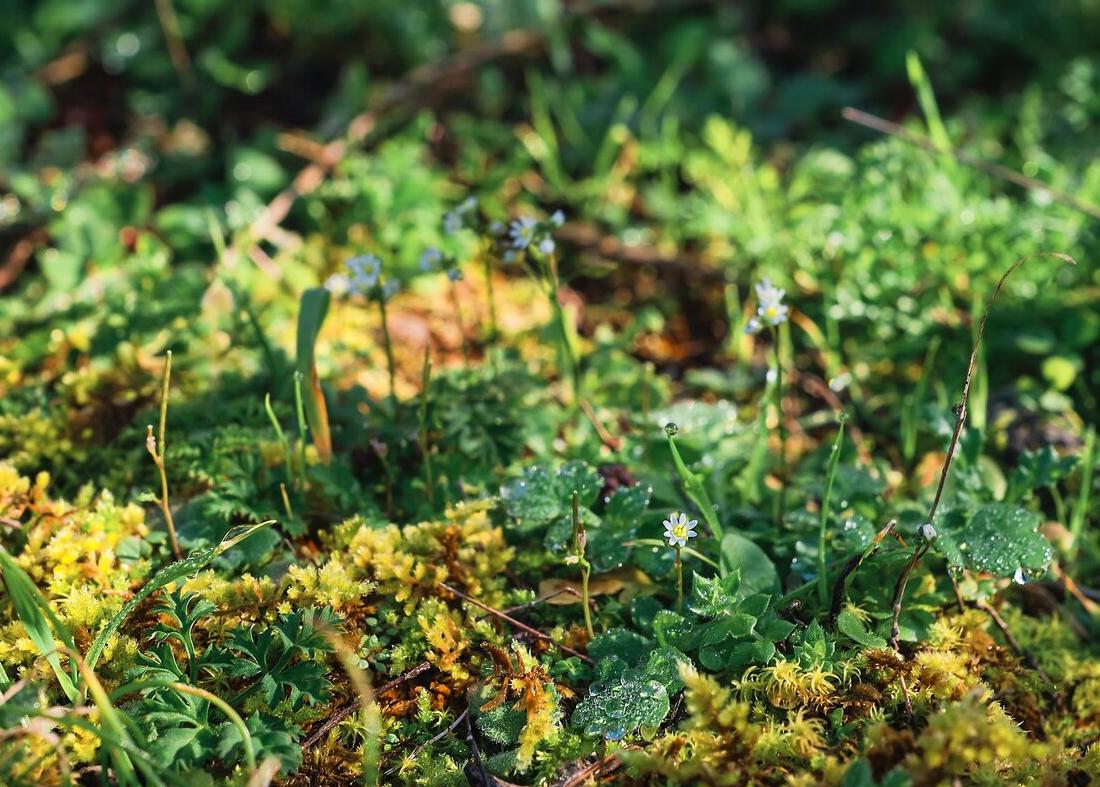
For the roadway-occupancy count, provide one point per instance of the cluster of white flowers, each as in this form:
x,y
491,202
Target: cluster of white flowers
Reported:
x,y
679,529
770,308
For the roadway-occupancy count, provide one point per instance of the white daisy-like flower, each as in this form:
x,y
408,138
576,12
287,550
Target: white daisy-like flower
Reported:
x,y
546,245
679,529
522,232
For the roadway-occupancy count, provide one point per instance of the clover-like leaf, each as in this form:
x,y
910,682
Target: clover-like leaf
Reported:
x,y
999,538
618,708
625,506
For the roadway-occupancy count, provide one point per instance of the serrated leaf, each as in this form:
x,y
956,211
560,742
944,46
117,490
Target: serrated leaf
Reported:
x,y
713,597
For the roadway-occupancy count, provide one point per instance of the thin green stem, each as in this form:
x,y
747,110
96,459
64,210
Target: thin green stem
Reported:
x,y
389,347
234,718
487,262
781,500
461,325
580,541
679,581
1081,506
422,418
300,411
287,456
822,570
695,490
155,447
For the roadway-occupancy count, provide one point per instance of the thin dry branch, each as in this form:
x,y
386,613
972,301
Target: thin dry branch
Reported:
x,y
960,419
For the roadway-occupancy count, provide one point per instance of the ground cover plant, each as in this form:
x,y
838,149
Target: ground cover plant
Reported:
x,y
552,393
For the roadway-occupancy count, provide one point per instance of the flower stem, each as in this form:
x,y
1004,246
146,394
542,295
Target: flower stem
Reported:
x,y
487,261
679,581
580,540
781,500
461,325
568,359
389,347
422,430
822,570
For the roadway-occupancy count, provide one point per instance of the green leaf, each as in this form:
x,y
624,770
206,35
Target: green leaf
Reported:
x,y
1001,539
311,316
714,597
166,576
758,574
619,643
38,619
618,708
626,506
852,627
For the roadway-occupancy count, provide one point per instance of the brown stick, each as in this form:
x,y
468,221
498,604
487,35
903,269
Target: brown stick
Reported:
x,y
884,126
1013,643
518,624
347,710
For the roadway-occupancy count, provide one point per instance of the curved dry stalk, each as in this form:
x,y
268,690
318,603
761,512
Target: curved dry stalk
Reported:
x,y
960,419
155,446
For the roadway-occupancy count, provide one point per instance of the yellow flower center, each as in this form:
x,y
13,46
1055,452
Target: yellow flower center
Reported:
x,y
680,531
771,312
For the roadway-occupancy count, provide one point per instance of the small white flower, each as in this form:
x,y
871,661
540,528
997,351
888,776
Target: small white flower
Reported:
x,y
770,307
928,531
753,326
430,259
546,245
557,218
678,529
468,205
1019,578
522,232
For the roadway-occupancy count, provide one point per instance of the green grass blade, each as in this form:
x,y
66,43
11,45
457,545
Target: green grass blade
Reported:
x,y
311,316
39,620
166,576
